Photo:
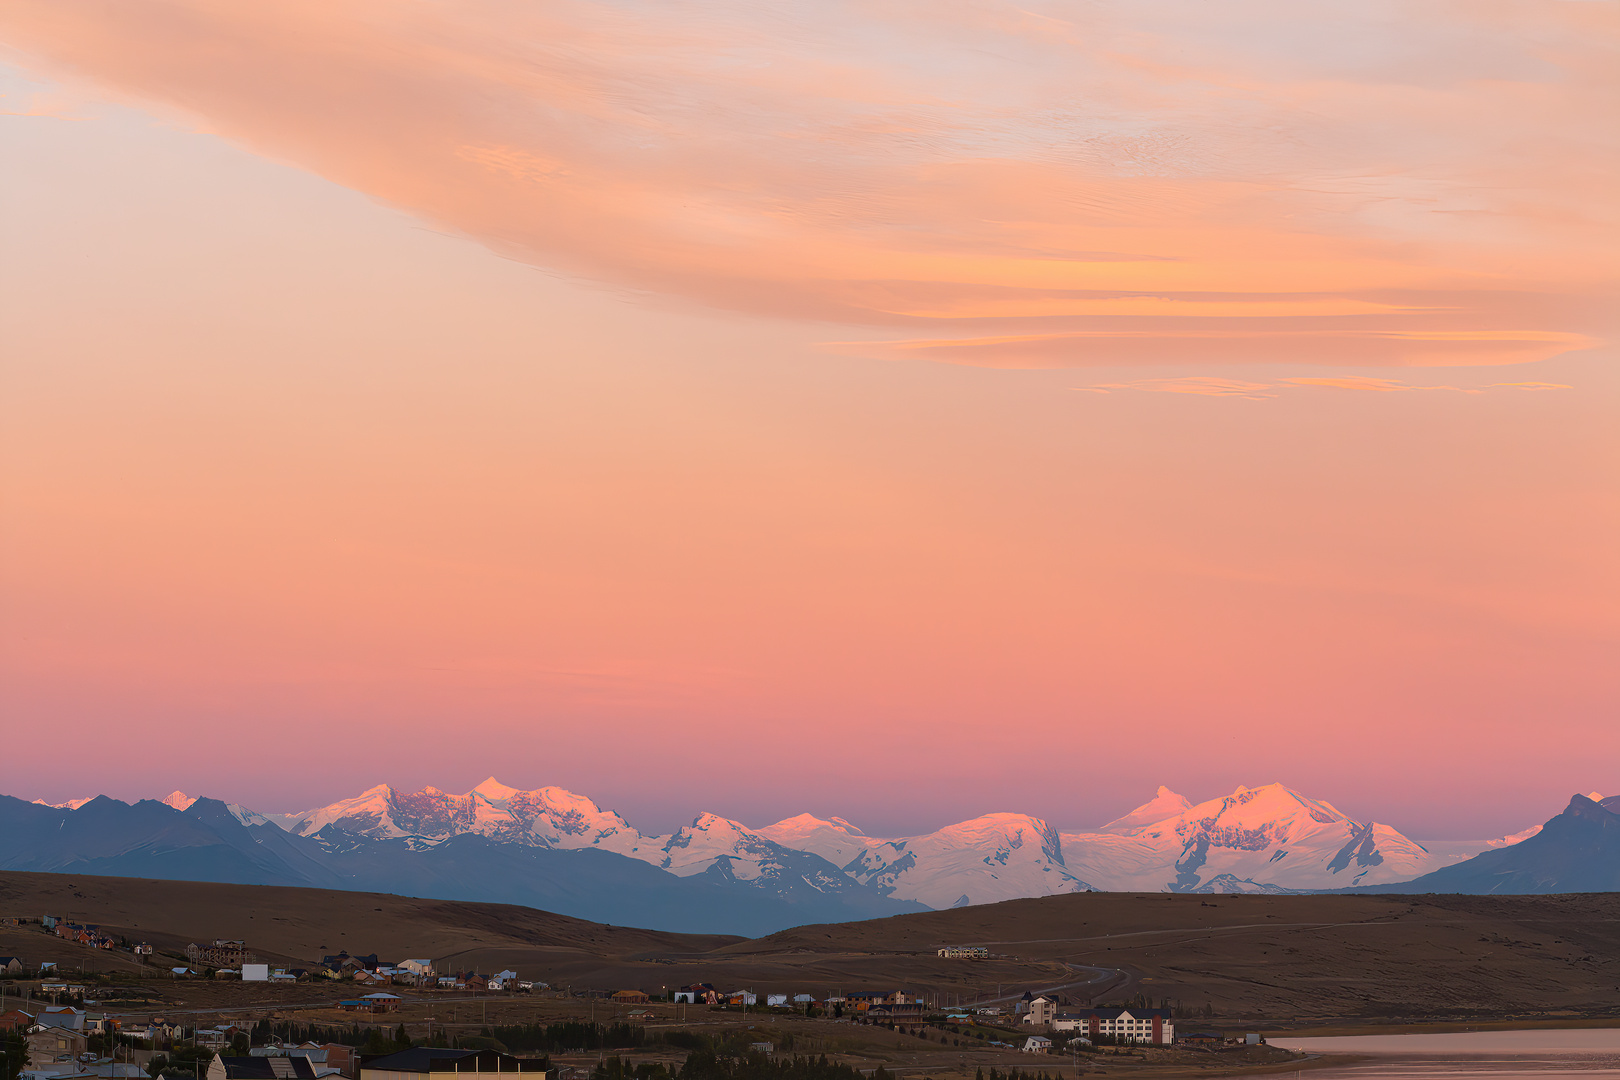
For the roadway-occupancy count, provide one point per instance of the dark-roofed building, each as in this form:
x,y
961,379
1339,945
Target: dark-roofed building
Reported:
x,y
10,965
1122,1025
261,1068
413,1063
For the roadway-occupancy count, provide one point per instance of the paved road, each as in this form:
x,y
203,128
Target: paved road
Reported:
x,y
1102,981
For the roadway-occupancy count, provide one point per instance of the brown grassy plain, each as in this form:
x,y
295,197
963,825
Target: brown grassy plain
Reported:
x,y
1269,962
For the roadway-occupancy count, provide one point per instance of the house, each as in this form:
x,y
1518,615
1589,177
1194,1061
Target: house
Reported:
x,y
1127,1025
222,953
383,1002
343,962
697,992
1037,1044
261,1068
418,1061
742,997
776,1001
963,952
803,999
630,997
885,1011
62,1016
16,1019
422,969
345,1059
53,1044
366,977
10,965
1202,1038
1039,1011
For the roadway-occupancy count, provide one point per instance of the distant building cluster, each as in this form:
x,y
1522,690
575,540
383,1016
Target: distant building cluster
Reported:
x,y
1131,1025
964,952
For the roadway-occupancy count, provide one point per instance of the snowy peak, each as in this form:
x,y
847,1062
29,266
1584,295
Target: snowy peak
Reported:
x,y
834,839
1262,838
1252,817
1164,805
493,790
809,823
71,804
547,817
179,800
989,858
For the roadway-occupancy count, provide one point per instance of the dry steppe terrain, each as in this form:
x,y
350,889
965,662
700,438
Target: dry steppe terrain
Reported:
x,y
1268,961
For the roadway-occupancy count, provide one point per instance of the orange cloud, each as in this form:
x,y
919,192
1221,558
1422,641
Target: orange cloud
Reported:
x,y
1214,386
1057,186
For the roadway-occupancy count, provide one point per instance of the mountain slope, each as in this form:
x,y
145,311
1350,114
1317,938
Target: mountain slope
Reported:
x,y
1578,851
991,858
216,842
1256,839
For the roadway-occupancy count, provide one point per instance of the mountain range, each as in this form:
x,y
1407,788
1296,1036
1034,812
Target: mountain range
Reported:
x,y
559,850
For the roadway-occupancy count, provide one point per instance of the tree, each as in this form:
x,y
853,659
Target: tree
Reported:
x,y
15,1056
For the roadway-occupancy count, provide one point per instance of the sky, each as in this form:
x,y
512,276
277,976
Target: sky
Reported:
x,y
900,411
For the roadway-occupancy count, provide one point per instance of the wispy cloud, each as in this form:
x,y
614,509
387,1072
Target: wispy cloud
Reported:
x,y
1044,185
1214,386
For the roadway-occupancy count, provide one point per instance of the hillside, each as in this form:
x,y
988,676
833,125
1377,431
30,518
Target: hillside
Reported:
x,y
1277,958
300,925
1577,851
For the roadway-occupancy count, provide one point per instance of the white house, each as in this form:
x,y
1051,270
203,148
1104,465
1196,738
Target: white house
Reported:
x,y
1037,1044
776,1001
1040,1011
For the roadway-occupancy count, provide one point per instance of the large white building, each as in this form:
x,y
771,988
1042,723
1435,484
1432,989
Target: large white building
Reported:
x,y
1124,1025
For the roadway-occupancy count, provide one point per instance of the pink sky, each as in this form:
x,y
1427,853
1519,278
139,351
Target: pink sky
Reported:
x,y
901,411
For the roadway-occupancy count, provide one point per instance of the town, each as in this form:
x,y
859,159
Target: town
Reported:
x,y
367,1017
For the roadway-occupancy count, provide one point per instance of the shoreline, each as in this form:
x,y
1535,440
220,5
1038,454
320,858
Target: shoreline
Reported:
x,y
1331,1030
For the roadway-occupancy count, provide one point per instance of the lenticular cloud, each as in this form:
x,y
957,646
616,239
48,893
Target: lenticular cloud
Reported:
x,y
1052,184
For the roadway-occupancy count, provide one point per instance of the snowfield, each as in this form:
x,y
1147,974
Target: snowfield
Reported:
x,y
1264,839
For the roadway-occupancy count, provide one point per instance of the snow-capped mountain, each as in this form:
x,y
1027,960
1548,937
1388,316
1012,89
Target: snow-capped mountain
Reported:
x,y
991,858
548,817
1250,840
71,804
1256,839
1265,839
834,839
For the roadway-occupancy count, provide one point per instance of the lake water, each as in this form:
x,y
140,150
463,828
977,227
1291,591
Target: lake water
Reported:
x,y
1474,1055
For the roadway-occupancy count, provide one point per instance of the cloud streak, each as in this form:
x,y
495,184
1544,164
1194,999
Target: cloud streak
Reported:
x,y
1215,386
1046,186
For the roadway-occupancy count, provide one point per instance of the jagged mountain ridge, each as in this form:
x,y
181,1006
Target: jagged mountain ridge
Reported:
x,y
214,841
1256,839
554,848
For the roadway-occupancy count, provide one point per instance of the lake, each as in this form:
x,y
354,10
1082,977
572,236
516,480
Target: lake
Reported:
x,y
1473,1055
